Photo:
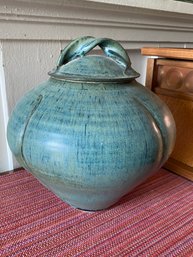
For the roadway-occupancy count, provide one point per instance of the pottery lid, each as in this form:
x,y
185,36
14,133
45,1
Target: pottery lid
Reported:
x,y
75,65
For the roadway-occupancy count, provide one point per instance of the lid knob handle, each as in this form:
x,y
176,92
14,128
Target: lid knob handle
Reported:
x,y
81,46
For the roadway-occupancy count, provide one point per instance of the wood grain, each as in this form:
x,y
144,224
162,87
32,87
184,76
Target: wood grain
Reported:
x,y
182,110
179,168
173,53
150,72
172,81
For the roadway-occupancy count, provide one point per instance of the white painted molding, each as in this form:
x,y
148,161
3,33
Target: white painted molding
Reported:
x,y
161,5
6,161
133,23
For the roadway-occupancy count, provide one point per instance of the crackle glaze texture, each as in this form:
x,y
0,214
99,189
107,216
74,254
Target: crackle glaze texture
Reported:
x,y
91,142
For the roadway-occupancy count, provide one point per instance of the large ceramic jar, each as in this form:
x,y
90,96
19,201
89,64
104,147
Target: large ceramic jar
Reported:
x,y
91,133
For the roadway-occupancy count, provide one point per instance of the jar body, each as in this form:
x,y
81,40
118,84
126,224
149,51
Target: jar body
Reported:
x,y
91,143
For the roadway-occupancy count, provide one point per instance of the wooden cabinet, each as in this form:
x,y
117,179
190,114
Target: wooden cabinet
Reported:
x,y
170,76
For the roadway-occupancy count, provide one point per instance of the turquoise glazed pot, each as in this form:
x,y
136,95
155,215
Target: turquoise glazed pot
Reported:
x,y
91,133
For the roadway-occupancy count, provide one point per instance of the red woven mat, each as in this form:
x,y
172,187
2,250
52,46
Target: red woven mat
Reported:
x,y
156,219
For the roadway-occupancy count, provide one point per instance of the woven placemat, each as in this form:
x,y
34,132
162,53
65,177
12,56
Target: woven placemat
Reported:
x,y
155,219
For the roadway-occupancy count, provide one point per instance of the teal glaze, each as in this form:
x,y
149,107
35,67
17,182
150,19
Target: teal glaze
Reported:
x,y
91,141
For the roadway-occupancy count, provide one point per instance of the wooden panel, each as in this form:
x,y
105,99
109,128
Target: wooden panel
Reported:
x,y
182,110
172,81
150,72
179,168
174,53
178,79
176,63
173,93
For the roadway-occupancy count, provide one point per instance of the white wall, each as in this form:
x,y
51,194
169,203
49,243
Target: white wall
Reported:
x,y
26,64
33,33
5,154
138,62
